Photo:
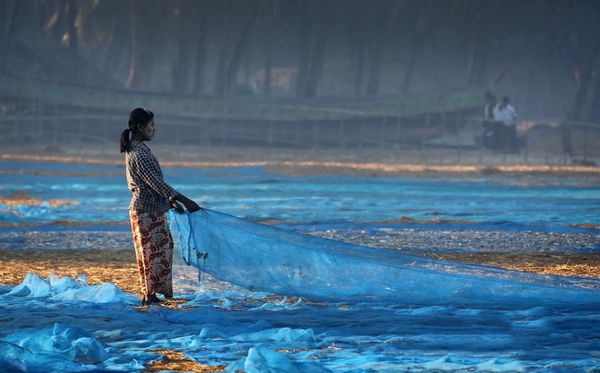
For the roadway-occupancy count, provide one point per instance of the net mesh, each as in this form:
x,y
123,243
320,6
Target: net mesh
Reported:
x,y
260,257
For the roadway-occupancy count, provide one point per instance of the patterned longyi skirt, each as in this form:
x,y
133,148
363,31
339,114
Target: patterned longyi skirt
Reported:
x,y
154,251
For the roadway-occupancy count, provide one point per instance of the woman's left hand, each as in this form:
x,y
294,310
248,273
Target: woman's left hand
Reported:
x,y
192,206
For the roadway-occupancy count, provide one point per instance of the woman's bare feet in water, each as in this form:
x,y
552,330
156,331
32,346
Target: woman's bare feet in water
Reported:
x,y
149,299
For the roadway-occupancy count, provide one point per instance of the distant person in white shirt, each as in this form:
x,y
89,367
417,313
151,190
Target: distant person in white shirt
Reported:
x,y
507,115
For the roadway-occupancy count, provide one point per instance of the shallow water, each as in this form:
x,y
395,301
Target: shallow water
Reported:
x,y
100,196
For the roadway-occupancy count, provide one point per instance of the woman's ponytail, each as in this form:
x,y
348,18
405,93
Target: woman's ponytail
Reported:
x,y
125,140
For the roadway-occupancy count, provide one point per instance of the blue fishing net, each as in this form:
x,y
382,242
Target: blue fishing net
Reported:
x,y
472,318
259,257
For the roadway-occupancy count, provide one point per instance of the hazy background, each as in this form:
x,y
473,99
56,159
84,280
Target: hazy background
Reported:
x,y
330,79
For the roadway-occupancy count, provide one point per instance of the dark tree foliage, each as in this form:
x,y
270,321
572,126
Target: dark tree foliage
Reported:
x,y
546,50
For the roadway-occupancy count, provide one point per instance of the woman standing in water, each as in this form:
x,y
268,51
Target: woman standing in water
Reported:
x,y
152,197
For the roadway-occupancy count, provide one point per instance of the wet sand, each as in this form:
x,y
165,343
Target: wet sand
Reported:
x,y
118,267
22,198
172,360
330,165
587,265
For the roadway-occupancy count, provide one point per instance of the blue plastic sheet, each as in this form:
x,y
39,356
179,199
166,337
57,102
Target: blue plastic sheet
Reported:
x,y
46,328
265,258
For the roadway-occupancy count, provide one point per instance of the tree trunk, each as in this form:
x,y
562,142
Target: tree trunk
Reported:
x,y
305,49
593,112
378,45
315,66
220,80
415,45
587,91
481,31
585,57
271,19
140,66
59,27
201,10
132,77
180,66
8,34
112,45
234,63
71,27
375,68
359,18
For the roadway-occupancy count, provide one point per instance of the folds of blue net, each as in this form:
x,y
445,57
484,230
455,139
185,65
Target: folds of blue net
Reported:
x,y
266,258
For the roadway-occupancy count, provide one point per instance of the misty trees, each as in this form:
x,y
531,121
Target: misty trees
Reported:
x,y
314,45
576,40
308,48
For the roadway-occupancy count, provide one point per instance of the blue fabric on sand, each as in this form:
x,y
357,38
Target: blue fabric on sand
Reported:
x,y
259,257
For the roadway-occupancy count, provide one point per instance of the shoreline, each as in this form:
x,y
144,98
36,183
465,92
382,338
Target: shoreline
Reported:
x,y
351,168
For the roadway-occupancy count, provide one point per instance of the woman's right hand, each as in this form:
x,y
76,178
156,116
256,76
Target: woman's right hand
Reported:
x,y
192,206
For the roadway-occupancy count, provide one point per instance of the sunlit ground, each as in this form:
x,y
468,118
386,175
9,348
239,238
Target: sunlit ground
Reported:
x,y
176,361
300,167
120,268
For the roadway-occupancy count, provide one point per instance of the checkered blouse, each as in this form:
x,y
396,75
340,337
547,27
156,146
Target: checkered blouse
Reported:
x,y
145,180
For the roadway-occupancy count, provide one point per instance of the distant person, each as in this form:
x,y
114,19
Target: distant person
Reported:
x,y
504,112
507,115
491,128
152,197
490,104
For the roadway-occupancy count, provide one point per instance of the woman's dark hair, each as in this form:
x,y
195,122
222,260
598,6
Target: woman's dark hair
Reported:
x,y
137,116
